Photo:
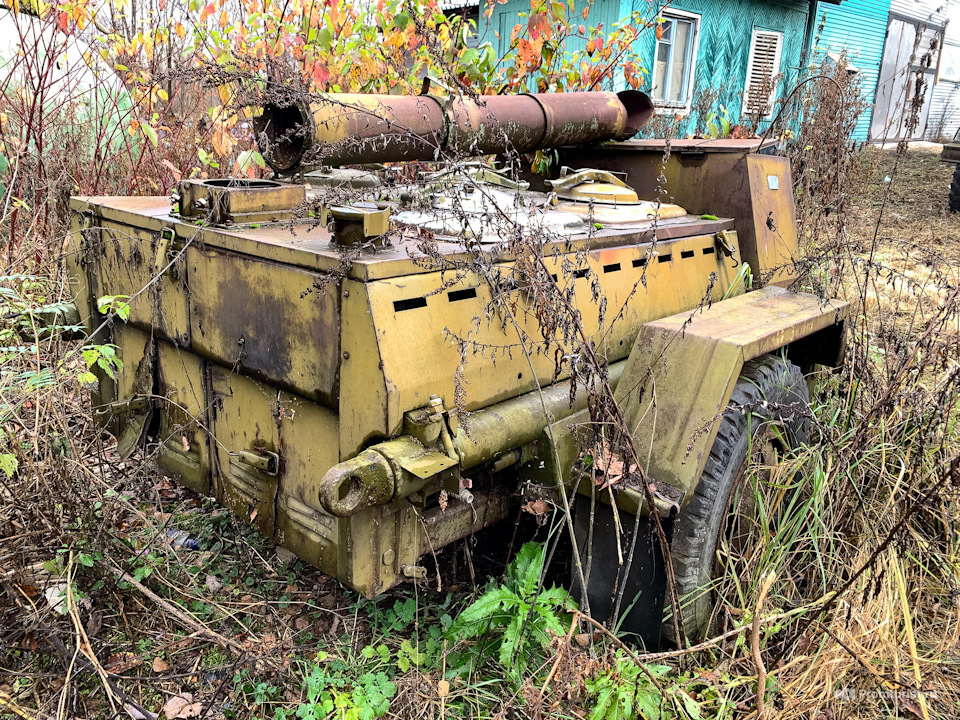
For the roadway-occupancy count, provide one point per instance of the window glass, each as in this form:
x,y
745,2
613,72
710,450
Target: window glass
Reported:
x,y
681,54
950,63
660,68
673,62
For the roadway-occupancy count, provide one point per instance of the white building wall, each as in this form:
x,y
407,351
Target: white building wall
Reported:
x,y
932,12
943,121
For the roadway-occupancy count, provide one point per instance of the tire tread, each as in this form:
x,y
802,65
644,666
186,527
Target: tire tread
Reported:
x,y
769,378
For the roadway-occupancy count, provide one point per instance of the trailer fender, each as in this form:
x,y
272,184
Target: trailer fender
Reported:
x,y
681,372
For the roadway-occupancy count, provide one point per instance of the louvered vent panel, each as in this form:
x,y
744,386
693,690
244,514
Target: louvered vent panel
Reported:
x,y
762,70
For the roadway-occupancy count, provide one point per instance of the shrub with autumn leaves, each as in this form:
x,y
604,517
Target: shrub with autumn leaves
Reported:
x,y
195,72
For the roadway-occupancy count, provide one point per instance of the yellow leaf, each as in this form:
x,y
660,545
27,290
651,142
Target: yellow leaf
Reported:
x,y
179,29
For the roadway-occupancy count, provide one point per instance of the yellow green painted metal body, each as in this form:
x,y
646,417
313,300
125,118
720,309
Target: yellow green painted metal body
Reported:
x,y
312,398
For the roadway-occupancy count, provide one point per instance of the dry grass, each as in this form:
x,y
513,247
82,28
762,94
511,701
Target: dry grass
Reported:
x,y
219,622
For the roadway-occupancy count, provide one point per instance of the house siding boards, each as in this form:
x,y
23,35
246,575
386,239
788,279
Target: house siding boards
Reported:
x,y
726,29
943,122
932,12
858,28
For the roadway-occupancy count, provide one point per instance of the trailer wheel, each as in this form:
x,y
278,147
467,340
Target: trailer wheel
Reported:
x,y
954,196
767,410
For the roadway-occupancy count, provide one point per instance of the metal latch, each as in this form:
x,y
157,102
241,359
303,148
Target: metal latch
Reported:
x,y
725,246
265,461
123,406
356,224
163,246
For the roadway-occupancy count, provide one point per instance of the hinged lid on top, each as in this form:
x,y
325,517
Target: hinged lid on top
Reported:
x,y
230,201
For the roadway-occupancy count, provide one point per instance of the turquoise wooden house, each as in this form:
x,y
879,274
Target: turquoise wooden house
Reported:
x,y
888,43
741,54
856,30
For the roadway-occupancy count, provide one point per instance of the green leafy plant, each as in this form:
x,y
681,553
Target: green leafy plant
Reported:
x,y
115,304
331,693
99,356
626,691
515,622
718,124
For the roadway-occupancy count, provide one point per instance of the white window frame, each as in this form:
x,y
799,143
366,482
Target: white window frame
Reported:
x,y
665,108
778,61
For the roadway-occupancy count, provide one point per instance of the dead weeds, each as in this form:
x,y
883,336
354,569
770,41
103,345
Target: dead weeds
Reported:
x,y
102,616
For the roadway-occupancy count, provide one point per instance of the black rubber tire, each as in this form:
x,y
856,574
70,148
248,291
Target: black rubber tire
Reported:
x,y
769,389
954,196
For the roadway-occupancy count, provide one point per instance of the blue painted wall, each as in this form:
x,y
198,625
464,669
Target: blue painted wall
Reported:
x,y
726,28
858,27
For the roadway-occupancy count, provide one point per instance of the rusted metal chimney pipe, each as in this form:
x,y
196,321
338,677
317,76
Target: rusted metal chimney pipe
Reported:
x,y
349,129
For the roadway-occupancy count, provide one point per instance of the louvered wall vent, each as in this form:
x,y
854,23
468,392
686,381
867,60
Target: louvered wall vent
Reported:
x,y
762,70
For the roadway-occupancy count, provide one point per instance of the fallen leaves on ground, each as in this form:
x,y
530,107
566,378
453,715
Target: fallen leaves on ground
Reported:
x,y
181,706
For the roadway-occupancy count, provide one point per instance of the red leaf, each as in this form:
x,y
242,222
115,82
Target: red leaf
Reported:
x,y
321,73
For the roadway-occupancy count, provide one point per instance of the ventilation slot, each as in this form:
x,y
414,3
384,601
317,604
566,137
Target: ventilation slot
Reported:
x,y
665,258
581,273
640,262
613,267
458,295
411,304
709,250
686,254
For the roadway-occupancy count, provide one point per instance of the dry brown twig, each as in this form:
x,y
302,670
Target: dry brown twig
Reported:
x,y
187,620
755,643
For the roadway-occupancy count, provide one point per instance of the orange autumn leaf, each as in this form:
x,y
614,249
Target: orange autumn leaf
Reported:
x,y
538,26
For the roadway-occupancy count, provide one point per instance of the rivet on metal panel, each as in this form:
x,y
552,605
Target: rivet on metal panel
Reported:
x,y
388,557
346,356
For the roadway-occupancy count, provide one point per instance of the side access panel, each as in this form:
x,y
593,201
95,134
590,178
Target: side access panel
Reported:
x,y
184,452
166,390
123,260
272,449
275,322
